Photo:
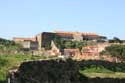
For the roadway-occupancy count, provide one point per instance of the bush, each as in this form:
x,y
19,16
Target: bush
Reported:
x,y
101,66
51,71
116,51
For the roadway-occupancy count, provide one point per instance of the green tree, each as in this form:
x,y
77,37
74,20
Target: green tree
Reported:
x,y
8,46
116,51
115,40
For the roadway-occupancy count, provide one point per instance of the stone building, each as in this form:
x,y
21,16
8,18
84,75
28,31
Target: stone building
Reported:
x,y
27,43
44,40
78,36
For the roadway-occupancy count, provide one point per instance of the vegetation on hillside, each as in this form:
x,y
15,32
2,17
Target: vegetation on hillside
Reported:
x,y
6,42
62,44
115,51
115,40
8,62
101,66
8,47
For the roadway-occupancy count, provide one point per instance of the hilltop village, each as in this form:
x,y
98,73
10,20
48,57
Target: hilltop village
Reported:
x,y
77,45
61,57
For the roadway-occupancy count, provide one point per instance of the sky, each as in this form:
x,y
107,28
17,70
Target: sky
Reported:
x,y
26,18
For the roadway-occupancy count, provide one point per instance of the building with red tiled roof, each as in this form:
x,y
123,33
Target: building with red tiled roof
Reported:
x,y
77,35
27,43
72,33
20,39
43,40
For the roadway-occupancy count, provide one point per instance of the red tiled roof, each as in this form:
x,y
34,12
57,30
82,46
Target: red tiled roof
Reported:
x,y
24,39
82,33
65,34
